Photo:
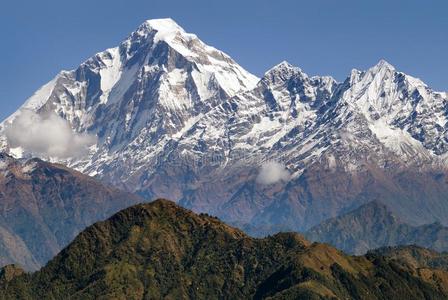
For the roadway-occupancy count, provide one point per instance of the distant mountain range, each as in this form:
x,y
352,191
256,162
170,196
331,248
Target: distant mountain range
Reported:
x,y
165,115
373,226
162,251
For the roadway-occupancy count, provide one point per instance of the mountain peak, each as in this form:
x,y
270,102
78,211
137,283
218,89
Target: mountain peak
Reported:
x,y
284,65
283,71
163,23
165,30
383,65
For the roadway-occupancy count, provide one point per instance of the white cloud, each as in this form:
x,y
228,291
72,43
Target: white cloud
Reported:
x,y
48,135
272,172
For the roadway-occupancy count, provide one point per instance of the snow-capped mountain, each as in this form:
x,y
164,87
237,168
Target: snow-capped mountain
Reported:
x,y
150,87
176,118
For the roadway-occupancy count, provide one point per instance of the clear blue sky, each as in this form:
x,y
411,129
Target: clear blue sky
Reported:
x,y
326,37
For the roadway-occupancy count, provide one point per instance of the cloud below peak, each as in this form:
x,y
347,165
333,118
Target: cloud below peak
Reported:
x,y
47,135
272,172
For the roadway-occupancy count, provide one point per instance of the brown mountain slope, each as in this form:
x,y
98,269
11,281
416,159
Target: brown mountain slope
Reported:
x,y
416,196
44,206
162,251
415,256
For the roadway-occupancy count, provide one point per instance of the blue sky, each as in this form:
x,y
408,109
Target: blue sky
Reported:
x,y
326,37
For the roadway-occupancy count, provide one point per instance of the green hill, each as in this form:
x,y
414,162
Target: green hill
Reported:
x,y
162,251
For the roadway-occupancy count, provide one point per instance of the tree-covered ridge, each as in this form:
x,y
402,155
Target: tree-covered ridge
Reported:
x,y
161,251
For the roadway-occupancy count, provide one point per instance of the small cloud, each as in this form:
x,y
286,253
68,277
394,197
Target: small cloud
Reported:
x,y
272,172
47,135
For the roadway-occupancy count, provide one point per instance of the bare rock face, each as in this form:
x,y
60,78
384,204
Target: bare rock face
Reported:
x,y
44,206
176,118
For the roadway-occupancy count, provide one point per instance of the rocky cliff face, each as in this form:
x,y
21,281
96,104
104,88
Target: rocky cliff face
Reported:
x,y
44,206
176,118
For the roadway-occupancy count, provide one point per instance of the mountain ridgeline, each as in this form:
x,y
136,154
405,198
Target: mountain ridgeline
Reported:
x,y
162,251
176,118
